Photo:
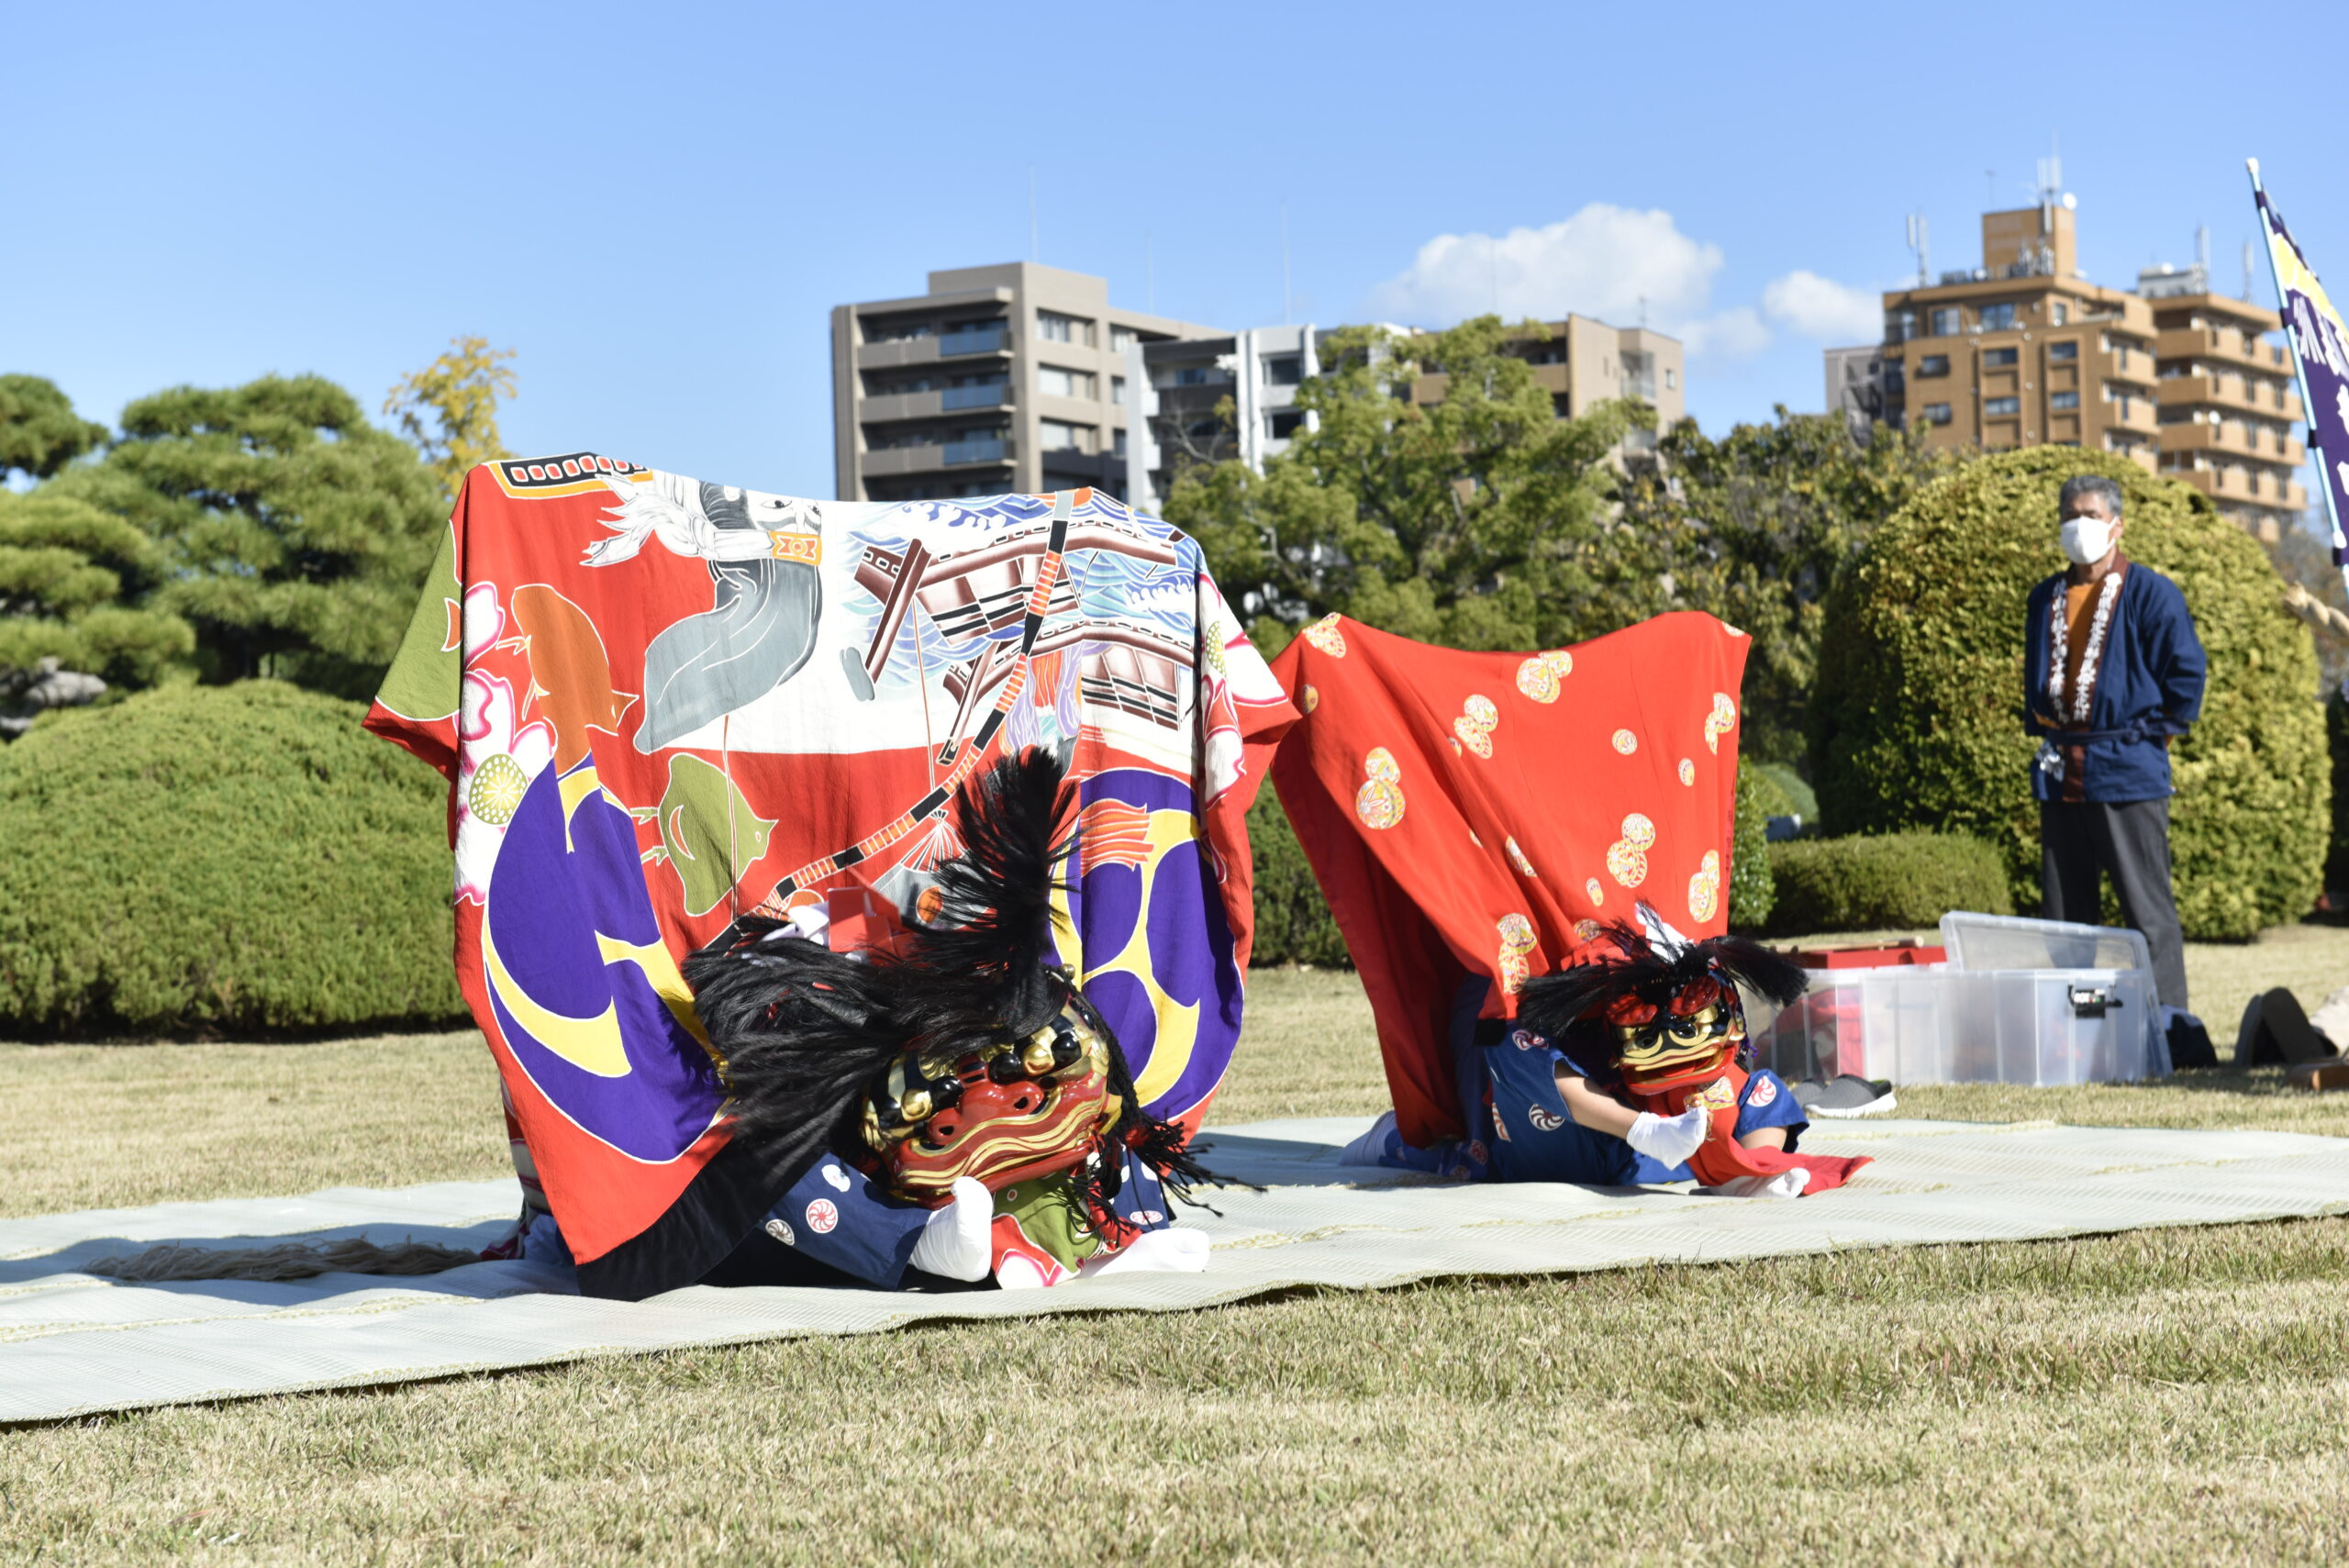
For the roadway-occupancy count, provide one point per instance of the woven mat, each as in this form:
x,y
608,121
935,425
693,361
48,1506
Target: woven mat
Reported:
x,y
72,1343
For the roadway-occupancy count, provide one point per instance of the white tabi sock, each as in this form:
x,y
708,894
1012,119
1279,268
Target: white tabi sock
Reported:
x,y
1177,1250
1786,1183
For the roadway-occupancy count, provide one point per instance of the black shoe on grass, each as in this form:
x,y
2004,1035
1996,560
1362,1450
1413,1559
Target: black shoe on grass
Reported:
x,y
1845,1095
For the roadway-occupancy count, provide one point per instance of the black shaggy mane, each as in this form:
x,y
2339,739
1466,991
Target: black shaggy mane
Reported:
x,y
1554,1004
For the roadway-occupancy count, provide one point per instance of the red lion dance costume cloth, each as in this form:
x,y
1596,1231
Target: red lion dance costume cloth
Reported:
x,y
1529,857
699,736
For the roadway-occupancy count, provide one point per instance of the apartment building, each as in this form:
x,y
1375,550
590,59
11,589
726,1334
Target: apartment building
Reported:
x,y
1583,362
2228,399
1580,362
1183,380
1003,379
2022,350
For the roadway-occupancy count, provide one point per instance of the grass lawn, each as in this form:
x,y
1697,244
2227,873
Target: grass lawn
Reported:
x,y
2162,1395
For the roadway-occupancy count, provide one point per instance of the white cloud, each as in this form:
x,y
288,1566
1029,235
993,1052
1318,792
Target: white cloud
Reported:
x,y
1733,334
1614,263
1822,308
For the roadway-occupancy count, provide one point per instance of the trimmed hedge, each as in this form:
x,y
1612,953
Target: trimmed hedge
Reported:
x,y
1917,718
1752,884
1898,881
1293,920
218,859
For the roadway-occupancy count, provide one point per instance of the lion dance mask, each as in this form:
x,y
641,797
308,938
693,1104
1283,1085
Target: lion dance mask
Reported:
x,y
970,1051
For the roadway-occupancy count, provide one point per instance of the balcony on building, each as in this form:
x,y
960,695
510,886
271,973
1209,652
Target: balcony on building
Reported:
x,y
987,338
977,450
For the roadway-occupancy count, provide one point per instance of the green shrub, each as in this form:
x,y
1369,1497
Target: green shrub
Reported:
x,y
1915,721
1293,920
1898,881
1801,801
1753,886
220,859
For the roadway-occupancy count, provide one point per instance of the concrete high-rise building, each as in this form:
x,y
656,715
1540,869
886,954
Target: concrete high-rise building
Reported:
x,y
2021,351
1855,385
1005,379
1583,362
1580,363
2228,399
1185,378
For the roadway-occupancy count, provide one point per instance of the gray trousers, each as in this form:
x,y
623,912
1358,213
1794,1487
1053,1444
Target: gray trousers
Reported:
x,y
2128,841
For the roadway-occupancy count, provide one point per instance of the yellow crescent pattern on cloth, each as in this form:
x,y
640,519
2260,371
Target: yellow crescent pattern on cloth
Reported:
x,y
592,1045
1178,1022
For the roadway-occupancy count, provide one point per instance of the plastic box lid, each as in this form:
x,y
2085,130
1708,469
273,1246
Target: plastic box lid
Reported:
x,y
1909,953
1978,943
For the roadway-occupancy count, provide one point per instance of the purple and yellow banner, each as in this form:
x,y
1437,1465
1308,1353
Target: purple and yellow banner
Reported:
x,y
2321,346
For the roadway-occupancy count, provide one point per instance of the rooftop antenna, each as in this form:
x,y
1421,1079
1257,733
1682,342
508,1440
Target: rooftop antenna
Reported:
x,y
2202,250
2051,176
1919,239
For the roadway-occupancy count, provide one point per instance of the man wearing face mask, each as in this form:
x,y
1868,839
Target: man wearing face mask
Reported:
x,y
2112,673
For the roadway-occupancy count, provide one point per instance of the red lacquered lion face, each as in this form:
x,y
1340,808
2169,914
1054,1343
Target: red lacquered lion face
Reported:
x,y
1007,1111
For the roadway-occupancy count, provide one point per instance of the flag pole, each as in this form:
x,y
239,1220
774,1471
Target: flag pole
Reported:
x,y
2300,373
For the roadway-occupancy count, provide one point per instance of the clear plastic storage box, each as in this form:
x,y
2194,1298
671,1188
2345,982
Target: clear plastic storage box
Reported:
x,y
2020,1001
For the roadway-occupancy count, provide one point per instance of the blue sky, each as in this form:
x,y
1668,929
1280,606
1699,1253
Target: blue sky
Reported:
x,y
657,205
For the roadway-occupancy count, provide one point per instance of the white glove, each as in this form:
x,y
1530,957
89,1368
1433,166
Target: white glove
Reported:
x,y
956,1242
1786,1183
1668,1141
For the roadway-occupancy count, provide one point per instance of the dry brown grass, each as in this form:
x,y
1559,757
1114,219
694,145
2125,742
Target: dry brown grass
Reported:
x,y
2160,1395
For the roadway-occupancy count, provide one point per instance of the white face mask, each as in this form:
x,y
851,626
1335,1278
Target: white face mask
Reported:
x,y
2086,539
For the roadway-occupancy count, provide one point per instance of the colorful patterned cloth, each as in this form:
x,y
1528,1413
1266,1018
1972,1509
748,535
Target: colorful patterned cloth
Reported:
x,y
662,703
1478,814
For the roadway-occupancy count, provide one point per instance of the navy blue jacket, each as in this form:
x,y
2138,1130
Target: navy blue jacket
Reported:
x,y
2151,684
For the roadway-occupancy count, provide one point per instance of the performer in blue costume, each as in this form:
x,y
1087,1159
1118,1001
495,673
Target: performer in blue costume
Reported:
x,y
1535,1113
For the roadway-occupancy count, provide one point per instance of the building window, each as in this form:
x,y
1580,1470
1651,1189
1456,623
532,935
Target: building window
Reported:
x,y
1937,414
1671,378
1284,370
1059,435
2063,400
1999,359
1118,391
1997,318
1895,380
1932,364
2060,314
897,331
2062,351
1287,422
1195,375
1995,407
1054,327
1119,442
1054,381
1120,339
1947,322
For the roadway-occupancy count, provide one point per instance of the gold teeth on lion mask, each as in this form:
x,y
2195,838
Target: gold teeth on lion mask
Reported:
x,y
1007,1111
1672,1047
